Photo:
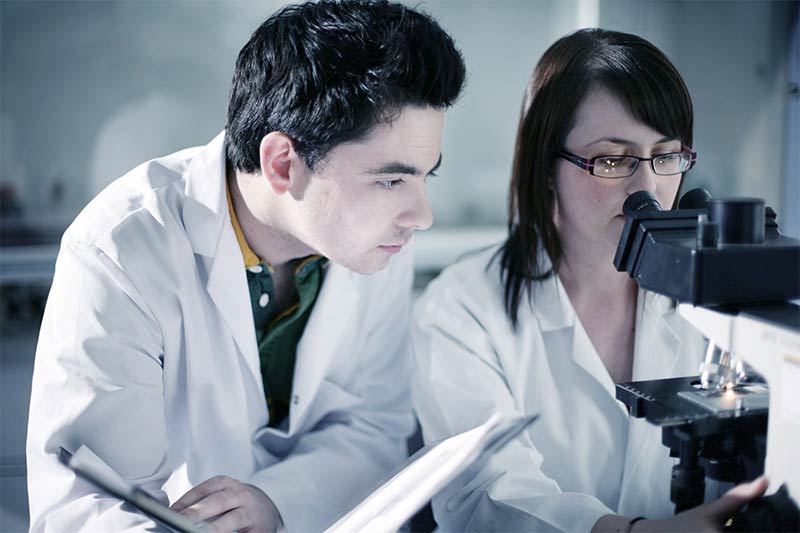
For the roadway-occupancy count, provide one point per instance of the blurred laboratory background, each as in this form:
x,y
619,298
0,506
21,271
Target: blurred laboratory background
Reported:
x,y
89,89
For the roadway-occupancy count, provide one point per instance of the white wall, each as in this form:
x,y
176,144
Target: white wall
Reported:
x,y
89,89
734,58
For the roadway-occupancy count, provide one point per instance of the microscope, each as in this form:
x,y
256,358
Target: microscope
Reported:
x,y
732,275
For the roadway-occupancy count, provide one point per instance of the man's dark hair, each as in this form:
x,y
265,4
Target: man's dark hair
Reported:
x,y
326,72
630,68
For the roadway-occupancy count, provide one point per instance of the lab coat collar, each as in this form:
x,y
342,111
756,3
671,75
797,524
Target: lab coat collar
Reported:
x,y
657,342
549,300
206,208
557,319
208,225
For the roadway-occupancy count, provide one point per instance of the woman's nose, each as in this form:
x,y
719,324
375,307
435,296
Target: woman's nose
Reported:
x,y
643,179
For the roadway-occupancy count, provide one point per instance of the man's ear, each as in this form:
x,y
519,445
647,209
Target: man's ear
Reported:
x,y
275,155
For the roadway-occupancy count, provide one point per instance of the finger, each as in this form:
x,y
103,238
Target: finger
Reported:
x,y
234,520
207,487
734,499
751,490
215,504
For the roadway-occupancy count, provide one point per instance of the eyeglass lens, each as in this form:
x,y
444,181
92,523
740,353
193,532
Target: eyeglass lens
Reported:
x,y
623,166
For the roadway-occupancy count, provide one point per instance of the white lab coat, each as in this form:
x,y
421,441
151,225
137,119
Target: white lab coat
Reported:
x,y
148,355
584,457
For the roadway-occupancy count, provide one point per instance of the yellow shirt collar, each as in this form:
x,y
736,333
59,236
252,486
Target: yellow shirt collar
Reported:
x,y
250,258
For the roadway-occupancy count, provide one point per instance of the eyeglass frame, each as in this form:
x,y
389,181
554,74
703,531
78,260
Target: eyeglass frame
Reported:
x,y
589,164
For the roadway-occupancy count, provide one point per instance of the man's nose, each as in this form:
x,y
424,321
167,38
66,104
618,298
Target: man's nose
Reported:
x,y
417,215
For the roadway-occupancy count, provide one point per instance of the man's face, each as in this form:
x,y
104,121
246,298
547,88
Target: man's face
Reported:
x,y
363,201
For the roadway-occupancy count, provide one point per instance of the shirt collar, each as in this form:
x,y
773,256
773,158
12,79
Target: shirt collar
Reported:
x,y
250,257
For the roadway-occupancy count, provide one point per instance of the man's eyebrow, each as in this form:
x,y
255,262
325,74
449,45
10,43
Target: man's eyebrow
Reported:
x,y
397,167
627,142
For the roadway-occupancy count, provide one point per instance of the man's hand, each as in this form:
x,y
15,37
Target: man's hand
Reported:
x,y
229,505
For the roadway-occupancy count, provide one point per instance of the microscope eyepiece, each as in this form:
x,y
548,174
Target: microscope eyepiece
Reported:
x,y
640,201
695,199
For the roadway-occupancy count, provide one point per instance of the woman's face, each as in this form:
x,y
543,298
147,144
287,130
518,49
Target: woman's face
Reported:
x,y
588,211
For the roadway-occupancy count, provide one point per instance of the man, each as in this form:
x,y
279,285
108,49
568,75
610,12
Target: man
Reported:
x,y
225,327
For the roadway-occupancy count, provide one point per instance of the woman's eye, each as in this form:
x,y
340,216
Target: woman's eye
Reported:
x,y
390,184
612,161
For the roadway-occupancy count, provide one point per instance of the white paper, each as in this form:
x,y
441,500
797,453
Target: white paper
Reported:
x,y
426,473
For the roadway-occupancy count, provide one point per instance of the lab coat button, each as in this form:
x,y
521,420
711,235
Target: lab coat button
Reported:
x,y
296,399
263,300
256,269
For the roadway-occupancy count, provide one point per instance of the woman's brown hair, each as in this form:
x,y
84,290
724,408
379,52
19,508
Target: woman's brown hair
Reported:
x,y
630,68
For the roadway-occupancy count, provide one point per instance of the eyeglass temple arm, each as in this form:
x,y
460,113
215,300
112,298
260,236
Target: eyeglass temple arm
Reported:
x,y
585,164
692,153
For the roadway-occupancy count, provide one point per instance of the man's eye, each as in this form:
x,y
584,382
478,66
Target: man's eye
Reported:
x,y
390,184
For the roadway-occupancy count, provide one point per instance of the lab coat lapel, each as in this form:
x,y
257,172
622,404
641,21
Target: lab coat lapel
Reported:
x,y
331,324
227,285
208,225
562,332
657,354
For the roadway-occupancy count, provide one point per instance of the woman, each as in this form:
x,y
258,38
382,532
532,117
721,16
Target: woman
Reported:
x,y
545,325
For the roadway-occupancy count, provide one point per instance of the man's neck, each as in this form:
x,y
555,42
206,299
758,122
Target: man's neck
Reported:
x,y
260,218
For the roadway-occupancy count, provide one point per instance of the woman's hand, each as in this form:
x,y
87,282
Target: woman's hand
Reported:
x,y
709,517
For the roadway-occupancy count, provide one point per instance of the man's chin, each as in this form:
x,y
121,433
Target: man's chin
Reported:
x,y
367,265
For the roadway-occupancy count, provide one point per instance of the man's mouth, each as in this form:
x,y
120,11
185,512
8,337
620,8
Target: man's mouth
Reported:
x,y
393,248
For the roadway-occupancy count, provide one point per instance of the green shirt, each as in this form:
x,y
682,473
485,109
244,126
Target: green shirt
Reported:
x,y
277,334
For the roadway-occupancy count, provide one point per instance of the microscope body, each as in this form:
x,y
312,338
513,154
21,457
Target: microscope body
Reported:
x,y
733,274
767,337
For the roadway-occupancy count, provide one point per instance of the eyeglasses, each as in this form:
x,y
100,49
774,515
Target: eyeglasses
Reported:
x,y
622,166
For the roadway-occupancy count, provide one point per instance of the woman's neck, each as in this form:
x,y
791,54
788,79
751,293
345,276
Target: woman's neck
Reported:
x,y
604,301
594,278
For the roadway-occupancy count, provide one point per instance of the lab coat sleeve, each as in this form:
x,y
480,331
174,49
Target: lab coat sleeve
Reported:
x,y
333,467
458,383
97,381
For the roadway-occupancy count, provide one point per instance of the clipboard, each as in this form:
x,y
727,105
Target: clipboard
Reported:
x,y
89,466
427,472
